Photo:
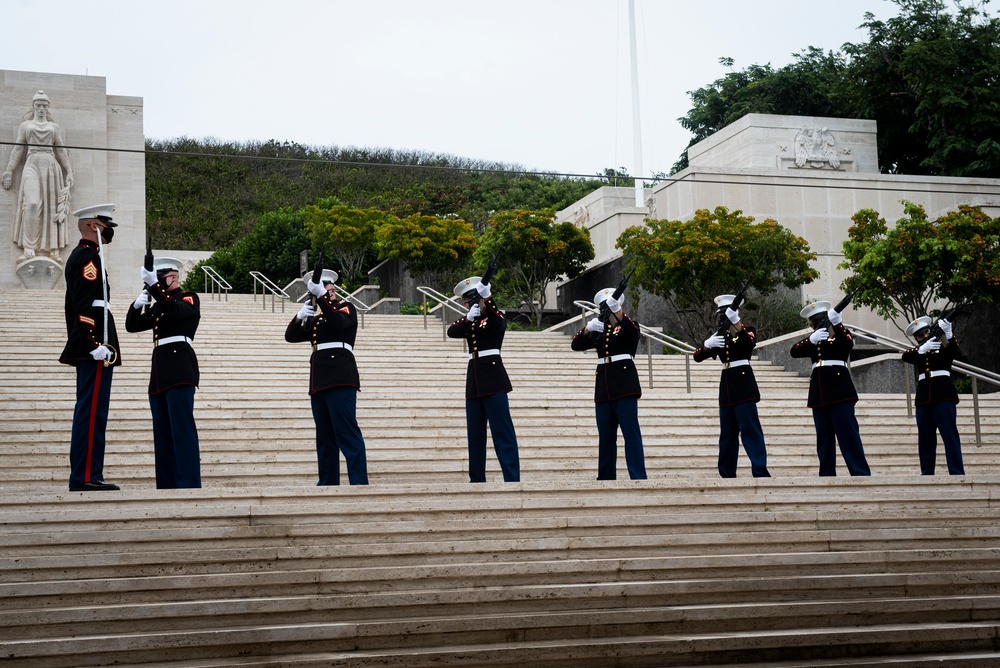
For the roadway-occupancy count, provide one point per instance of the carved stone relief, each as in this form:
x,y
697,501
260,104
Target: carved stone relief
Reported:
x,y
41,213
816,148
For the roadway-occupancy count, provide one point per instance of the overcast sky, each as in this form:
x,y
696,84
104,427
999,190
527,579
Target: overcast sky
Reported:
x,y
541,83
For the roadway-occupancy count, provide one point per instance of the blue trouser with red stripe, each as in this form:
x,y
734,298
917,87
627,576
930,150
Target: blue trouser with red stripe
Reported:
x,y
90,418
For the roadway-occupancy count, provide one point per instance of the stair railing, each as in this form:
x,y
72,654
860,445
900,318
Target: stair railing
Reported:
x,y
267,286
215,284
974,372
445,302
588,309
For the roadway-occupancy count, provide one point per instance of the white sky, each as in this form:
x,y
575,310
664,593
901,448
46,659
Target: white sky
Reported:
x,y
541,83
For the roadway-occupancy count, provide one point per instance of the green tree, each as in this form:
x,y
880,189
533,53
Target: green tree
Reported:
x,y
927,76
688,263
346,233
534,251
272,248
430,248
919,262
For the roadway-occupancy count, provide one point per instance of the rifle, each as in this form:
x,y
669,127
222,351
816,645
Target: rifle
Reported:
x,y
317,275
724,323
839,308
935,330
147,263
616,295
473,293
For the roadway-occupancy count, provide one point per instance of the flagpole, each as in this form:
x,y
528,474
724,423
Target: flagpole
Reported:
x,y
640,200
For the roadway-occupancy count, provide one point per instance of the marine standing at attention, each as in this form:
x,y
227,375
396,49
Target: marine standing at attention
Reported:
x,y
92,347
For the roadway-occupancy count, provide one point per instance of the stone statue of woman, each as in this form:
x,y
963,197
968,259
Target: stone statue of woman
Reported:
x,y
43,199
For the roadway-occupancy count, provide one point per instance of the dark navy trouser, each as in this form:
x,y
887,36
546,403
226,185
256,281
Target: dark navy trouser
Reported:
x,y
836,424
335,413
741,420
90,419
931,418
495,410
175,438
611,415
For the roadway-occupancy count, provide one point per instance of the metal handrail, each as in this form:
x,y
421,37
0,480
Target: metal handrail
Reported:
x,y
269,285
215,284
589,308
343,296
445,302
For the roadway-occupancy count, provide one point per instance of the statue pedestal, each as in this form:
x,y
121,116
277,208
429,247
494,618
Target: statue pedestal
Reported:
x,y
39,273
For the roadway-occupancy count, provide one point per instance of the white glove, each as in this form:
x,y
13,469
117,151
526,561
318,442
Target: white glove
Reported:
x,y
483,290
734,316
595,325
715,341
929,345
148,277
614,304
101,353
817,336
834,317
315,289
142,300
945,328
307,311
473,313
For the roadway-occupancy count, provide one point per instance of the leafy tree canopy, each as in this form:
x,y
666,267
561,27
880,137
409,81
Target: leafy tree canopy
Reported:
x,y
431,248
688,263
927,76
920,262
534,251
345,233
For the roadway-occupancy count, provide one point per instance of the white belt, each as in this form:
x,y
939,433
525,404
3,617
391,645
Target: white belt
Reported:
x,y
334,344
99,303
613,358
484,353
829,363
173,339
939,372
730,365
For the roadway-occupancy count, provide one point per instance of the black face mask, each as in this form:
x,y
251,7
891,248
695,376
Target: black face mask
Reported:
x,y
107,234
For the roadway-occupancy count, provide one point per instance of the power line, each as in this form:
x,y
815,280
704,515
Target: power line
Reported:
x,y
693,178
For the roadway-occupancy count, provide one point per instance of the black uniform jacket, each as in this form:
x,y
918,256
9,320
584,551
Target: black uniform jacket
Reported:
x,y
933,389
336,322
176,313
614,379
485,375
829,384
738,384
84,321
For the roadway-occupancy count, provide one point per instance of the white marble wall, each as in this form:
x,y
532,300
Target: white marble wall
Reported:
x,y
91,122
744,166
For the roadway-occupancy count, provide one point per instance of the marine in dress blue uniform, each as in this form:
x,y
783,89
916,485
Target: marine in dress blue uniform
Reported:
x,y
616,387
94,355
831,391
173,314
334,382
936,399
486,382
738,393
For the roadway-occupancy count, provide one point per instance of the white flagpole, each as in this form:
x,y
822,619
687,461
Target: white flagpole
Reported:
x,y
640,200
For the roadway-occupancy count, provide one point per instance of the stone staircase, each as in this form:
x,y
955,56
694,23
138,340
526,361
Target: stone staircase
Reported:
x,y
420,568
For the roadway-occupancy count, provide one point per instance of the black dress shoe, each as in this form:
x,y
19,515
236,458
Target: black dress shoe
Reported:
x,y
94,486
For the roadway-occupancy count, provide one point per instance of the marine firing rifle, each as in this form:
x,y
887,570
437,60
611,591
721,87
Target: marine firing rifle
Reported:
x,y
935,330
616,295
724,323
473,293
